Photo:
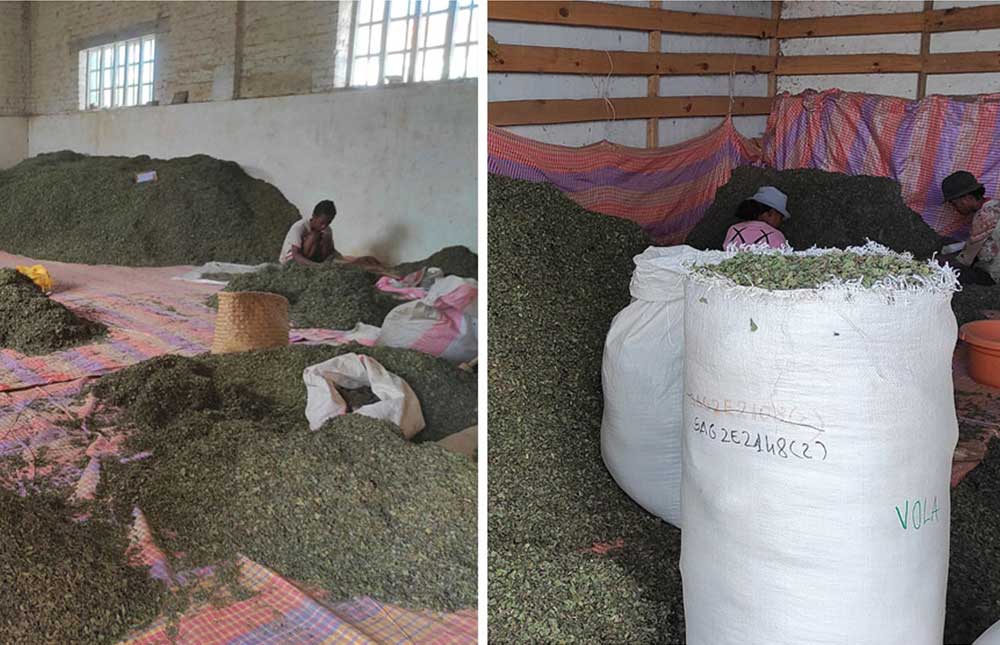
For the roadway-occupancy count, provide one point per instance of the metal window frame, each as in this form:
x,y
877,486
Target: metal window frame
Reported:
x,y
115,66
418,13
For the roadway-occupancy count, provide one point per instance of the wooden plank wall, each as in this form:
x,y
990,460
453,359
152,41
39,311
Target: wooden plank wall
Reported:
x,y
660,23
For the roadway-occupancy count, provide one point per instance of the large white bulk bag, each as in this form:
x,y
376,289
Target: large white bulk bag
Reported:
x,y
819,427
642,375
990,637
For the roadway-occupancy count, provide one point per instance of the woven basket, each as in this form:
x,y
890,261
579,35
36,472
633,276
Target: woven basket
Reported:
x,y
250,320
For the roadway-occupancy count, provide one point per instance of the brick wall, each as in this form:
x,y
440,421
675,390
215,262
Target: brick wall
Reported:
x,y
287,47
212,50
13,57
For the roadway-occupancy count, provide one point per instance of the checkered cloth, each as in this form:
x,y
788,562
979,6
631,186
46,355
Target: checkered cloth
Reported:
x,y
917,143
664,190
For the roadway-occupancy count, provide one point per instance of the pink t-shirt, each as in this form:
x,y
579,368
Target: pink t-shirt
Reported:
x,y
750,233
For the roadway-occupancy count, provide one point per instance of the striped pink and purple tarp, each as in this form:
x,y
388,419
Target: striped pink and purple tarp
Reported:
x,y
917,143
664,190
667,190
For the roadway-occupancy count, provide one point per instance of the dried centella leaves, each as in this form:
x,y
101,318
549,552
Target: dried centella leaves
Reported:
x,y
775,271
77,208
332,296
558,275
356,510
33,323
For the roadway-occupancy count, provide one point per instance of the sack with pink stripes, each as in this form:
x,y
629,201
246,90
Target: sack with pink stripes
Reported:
x,y
443,323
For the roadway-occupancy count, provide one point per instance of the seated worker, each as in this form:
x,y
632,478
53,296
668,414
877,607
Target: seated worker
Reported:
x,y
310,243
981,253
762,216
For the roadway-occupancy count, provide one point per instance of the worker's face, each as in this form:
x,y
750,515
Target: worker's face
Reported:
x,y
773,217
318,223
966,204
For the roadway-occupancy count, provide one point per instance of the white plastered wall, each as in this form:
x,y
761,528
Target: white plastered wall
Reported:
x,y
510,87
399,162
13,140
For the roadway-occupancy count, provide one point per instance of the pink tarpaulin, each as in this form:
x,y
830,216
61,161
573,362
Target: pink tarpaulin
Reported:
x,y
917,143
664,190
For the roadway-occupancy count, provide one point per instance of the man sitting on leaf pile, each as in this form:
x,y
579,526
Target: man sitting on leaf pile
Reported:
x,y
979,261
311,243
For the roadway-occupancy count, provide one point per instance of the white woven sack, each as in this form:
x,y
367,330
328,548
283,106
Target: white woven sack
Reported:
x,y
397,402
443,323
642,376
819,427
990,637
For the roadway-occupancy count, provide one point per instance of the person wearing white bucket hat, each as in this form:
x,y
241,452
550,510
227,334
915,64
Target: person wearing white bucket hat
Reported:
x,y
762,217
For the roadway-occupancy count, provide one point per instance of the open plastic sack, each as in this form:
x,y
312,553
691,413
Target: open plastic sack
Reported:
x,y
397,403
443,323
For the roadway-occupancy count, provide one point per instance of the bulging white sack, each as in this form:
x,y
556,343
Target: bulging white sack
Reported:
x,y
443,323
819,427
397,401
642,376
990,637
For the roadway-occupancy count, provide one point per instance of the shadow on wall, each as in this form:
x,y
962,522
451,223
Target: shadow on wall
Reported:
x,y
387,246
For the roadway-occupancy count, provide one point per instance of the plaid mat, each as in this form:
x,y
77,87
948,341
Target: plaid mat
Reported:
x,y
45,441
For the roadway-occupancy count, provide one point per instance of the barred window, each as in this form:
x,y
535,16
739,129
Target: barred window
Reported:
x,y
412,41
119,74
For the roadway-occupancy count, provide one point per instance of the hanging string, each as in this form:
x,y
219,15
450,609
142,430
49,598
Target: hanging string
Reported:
x,y
604,90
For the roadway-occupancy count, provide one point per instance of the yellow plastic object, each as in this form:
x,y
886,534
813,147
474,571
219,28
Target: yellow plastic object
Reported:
x,y
39,275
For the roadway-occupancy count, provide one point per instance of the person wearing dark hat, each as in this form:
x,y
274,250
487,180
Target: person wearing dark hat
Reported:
x,y
762,215
968,197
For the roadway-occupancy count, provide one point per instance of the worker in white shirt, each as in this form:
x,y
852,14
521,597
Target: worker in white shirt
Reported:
x,y
310,243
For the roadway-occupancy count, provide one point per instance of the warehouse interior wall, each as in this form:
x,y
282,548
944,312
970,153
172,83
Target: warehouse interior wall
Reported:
x,y
13,140
512,86
400,162
902,85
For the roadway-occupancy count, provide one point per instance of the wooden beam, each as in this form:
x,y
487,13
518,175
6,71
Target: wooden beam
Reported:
x,y
859,25
596,14
925,49
560,60
653,84
964,18
958,63
847,64
957,19
775,48
549,111
962,63
557,60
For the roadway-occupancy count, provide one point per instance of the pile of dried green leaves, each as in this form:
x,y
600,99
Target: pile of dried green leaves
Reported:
x,y
974,570
828,210
559,274
332,296
76,208
67,582
606,604
352,508
973,301
774,271
33,323
453,260
267,386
